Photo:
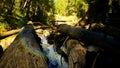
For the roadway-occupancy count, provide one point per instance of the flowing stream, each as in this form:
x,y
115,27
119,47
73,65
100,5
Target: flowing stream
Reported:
x,y
56,60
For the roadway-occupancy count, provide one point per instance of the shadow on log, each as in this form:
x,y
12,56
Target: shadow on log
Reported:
x,y
1,51
24,52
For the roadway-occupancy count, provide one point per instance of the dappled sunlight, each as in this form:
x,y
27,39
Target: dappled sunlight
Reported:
x,y
70,20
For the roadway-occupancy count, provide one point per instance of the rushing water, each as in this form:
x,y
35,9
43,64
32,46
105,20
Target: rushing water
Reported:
x,y
56,60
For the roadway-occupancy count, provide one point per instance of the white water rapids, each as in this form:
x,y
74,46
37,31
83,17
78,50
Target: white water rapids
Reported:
x,y
56,60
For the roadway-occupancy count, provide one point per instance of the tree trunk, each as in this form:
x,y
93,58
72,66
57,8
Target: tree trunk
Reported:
x,y
24,52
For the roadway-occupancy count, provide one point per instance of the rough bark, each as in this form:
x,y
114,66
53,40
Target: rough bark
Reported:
x,y
90,37
76,54
24,52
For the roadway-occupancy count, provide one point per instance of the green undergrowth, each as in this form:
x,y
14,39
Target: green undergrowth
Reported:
x,y
4,27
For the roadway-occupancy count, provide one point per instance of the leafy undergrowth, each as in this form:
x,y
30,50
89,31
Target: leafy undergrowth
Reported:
x,y
4,27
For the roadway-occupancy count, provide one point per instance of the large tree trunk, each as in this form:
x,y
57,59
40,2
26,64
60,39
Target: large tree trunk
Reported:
x,y
90,37
24,52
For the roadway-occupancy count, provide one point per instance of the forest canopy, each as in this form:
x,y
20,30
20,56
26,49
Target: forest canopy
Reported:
x,y
15,13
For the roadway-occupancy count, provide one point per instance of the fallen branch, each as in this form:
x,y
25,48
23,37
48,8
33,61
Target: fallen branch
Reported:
x,y
12,32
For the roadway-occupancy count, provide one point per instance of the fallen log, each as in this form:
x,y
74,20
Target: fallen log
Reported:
x,y
24,52
61,21
16,31
90,37
9,33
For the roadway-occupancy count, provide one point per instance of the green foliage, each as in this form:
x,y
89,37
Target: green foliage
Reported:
x,y
13,12
4,26
82,8
77,6
60,7
69,7
17,12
